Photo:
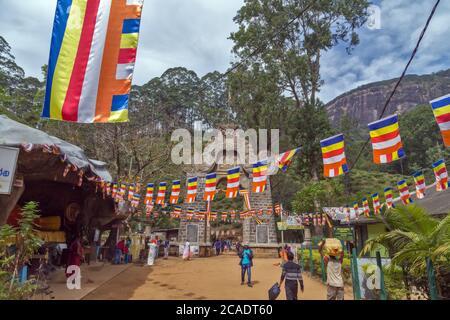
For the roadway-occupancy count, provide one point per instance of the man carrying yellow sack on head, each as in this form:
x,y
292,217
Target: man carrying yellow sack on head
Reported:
x,y
333,258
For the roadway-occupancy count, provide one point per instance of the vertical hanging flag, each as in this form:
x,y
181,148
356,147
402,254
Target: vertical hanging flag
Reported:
x,y
440,172
114,190
175,192
259,176
285,159
161,193
376,203
356,208
136,200
419,180
224,216
441,110
191,189
366,207
131,192
149,193
189,213
92,56
269,210
386,141
210,187
404,192
245,194
149,209
388,195
278,209
233,176
178,210
333,153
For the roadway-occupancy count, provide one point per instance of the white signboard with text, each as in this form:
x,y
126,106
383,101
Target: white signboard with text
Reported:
x,y
8,163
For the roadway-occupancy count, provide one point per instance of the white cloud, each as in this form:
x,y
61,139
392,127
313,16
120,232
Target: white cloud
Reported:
x,y
194,33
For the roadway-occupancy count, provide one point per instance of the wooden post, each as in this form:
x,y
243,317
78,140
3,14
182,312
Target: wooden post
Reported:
x,y
302,265
383,294
355,278
322,266
432,280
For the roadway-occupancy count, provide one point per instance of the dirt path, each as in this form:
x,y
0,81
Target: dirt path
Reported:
x,y
216,278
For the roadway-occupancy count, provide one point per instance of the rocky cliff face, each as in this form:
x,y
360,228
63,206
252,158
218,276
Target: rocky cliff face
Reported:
x,y
366,102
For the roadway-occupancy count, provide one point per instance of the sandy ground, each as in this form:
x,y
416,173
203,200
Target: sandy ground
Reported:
x,y
216,278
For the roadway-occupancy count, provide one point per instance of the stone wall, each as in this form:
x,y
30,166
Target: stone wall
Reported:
x,y
198,205
260,201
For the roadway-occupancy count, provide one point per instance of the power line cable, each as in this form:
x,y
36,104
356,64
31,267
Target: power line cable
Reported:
x,y
413,54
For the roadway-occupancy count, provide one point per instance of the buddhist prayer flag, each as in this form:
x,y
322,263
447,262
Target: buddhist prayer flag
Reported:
x,y
388,195
441,110
269,210
224,216
92,56
419,180
376,203
191,189
200,215
366,207
278,209
178,210
175,193
386,142
404,192
130,192
245,194
233,176
356,208
161,193
213,216
210,187
135,201
260,212
440,172
114,190
149,193
285,159
149,208
190,214
259,176
333,153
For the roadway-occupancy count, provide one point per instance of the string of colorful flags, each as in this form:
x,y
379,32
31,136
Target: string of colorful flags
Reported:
x,y
131,192
386,144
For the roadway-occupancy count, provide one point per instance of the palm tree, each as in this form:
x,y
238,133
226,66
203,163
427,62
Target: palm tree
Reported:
x,y
413,236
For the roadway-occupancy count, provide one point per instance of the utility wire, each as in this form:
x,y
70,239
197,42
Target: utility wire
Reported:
x,y
413,54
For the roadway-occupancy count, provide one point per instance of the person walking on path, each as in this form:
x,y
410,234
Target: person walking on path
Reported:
x,y
335,282
187,251
217,246
246,264
166,249
292,275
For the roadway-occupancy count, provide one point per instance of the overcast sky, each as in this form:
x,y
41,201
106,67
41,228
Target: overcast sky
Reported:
x,y
193,34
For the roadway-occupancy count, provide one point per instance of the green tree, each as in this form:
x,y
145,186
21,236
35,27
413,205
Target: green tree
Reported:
x,y
415,236
285,41
17,245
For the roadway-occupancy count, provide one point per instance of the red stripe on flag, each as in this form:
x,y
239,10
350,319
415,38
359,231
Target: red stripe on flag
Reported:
x,y
443,118
385,137
73,94
333,153
233,180
127,55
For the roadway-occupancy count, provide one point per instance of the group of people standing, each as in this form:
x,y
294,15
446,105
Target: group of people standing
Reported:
x,y
222,245
291,274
